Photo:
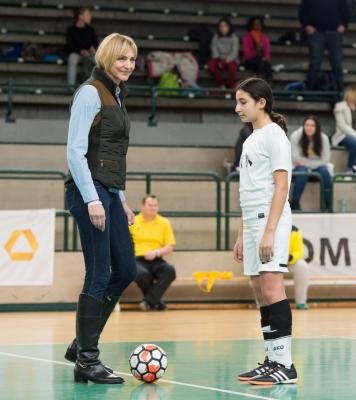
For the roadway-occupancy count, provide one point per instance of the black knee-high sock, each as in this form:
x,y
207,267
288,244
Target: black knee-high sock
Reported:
x,y
265,325
280,318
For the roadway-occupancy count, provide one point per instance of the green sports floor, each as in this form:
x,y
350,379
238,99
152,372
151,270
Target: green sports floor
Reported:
x,y
197,370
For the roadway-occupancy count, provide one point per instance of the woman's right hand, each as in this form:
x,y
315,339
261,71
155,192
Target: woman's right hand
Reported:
x,y
97,215
238,251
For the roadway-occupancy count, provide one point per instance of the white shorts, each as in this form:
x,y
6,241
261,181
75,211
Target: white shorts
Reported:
x,y
252,235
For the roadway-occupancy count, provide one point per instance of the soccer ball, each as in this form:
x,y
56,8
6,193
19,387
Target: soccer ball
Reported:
x,y
148,362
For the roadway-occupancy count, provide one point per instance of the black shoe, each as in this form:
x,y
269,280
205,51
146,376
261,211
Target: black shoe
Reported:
x,y
145,306
295,205
261,369
96,373
109,304
161,306
277,374
88,366
71,354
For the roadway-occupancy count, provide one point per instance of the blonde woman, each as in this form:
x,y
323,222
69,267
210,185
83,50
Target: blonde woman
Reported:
x,y
98,139
345,118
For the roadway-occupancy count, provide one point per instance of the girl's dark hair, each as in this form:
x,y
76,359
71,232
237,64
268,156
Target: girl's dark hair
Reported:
x,y
251,21
228,23
304,140
78,11
258,89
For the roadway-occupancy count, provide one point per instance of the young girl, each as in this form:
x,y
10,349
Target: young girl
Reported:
x,y
264,231
310,151
225,51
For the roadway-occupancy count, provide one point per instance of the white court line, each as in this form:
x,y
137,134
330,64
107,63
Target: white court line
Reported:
x,y
212,389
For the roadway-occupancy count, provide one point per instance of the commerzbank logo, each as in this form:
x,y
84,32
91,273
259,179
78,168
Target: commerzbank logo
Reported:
x,y
17,240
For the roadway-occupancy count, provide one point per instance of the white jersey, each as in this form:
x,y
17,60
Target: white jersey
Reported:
x,y
266,150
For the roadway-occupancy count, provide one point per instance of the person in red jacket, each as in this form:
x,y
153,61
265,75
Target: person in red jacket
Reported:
x,y
256,49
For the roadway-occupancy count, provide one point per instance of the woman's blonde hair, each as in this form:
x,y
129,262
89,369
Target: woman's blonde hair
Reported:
x,y
113,47
350,94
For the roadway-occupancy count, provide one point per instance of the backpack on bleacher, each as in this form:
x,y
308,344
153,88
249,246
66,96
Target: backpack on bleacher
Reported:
x,y
168,80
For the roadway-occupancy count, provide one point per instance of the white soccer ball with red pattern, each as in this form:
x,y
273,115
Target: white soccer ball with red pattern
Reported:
x,y
148,362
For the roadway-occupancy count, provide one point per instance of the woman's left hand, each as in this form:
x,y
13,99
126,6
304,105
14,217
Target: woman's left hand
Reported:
x,y
266,247
129,213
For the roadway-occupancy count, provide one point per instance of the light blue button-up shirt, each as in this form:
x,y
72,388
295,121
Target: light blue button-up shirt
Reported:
x,y
86,105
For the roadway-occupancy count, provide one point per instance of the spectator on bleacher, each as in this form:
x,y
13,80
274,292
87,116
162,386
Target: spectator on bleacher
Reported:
x,y
256,49
81,44
345,117
244,133
153,238
225,50
325,22
299,268
98,139
310,152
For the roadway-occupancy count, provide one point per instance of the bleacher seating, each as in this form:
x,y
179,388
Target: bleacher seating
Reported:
x,y
45,23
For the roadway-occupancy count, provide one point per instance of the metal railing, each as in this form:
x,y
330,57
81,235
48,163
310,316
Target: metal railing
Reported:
x,y
345,178
34,175
10,88
150,177
153,177
231,214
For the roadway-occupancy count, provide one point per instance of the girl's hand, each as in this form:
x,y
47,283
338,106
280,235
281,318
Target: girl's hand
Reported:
x,y
238,251
266,247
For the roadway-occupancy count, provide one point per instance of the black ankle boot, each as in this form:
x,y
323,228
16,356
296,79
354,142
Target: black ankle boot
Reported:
x,y
88,366
109,304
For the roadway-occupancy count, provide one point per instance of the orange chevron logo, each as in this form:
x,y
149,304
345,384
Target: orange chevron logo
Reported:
x,y
17,255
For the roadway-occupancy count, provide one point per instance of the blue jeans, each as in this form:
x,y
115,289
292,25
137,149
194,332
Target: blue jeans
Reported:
x,y
301,181
110,264
350,143
318,42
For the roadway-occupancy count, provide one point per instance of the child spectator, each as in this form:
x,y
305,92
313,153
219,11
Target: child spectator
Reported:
x,y
225,50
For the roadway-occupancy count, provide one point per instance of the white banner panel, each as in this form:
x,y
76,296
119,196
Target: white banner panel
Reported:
x,y
329,242
27,247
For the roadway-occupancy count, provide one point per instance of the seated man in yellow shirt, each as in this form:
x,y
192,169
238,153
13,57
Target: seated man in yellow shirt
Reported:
x,y
153,238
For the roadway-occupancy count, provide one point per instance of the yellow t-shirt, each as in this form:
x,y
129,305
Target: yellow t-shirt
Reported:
x,y
151,235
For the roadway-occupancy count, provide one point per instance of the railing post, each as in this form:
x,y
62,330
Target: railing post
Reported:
x,y
152,118
65,231
148,183
227,208
10,90
218,213
75,236
227,211
321,195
